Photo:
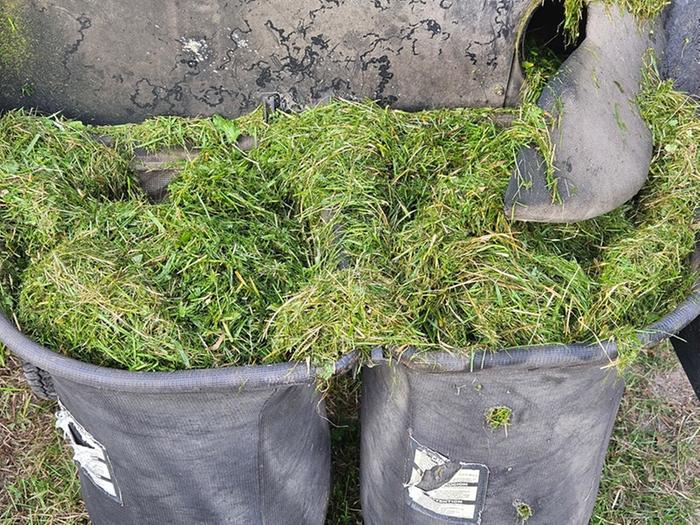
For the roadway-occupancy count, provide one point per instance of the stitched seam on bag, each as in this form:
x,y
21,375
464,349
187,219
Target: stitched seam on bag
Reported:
x,y
408,456
261,465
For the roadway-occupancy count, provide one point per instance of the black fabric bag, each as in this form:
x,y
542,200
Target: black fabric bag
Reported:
x,y
247,445
429,455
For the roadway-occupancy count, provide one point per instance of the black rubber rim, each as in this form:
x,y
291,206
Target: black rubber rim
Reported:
x,y
546,356
250,377
267,376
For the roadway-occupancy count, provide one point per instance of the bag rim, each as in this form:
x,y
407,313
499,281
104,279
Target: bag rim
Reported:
x,y
544,356
249,377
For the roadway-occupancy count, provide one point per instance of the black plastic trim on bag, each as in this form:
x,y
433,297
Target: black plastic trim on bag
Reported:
x,y
252,377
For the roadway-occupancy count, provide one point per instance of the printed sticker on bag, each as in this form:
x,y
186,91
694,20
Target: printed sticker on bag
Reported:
x,y
446,488
89,454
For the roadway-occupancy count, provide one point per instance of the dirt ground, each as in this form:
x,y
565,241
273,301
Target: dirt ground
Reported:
x,y
652,475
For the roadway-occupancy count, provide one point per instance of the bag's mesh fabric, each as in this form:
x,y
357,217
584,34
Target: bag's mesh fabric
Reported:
x,y
549,457
231,456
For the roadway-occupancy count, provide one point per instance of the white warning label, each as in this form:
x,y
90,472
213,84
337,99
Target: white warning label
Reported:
x,y
88,453
446,487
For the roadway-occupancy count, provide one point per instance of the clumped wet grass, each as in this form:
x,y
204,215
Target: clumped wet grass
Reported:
x,y
48,169
338,311
334,162
643,10
184,284
474,279
114,317
645,271
345,227
499,418
523,511
470,276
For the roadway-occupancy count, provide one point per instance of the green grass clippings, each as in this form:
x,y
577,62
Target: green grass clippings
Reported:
x,y
345,227
49,168
523,511
642,9
499,418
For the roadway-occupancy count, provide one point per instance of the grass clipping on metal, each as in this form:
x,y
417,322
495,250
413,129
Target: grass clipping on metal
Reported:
x,y
347,226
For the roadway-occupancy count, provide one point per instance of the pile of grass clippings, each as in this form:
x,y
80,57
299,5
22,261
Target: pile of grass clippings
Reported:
x,y
114,317
477,280
340,164
466,275
339,311
49,168
645,272
345,227
188,283
335,161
